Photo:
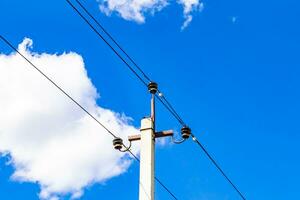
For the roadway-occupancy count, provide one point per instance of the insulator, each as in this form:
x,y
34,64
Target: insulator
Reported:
x,y
152,87
185,132
118,143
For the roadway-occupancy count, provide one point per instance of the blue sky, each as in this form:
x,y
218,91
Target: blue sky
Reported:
x,y
236,83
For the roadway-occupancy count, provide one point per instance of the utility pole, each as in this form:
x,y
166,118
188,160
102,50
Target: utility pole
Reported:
x,y
147,137
147,152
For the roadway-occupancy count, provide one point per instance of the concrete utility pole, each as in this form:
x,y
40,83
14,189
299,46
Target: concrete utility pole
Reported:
x,y
147,155
147,152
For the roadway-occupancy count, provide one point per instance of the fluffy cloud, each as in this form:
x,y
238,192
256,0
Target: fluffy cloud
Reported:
x,y
48,139
135,10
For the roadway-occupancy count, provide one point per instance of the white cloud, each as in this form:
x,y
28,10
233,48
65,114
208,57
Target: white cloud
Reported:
x,y
135,10
190,6
49,140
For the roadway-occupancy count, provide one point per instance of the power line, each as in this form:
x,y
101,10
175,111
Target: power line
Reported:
x,y
157,179
169,107
161,98
170,110
127,64
80,106
217,166
111,47
114,41
58,87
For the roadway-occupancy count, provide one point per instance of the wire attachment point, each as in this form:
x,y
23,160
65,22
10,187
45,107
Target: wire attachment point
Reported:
x,y
194,138
178,141
152,87
185,134
118,145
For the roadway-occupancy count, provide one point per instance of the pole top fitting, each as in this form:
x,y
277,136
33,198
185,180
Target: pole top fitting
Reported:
x,y
152,87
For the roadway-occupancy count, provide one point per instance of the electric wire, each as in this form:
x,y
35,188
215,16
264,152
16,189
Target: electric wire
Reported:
x,y
106,42
159,181
171,109
161,98
58,87
114,41
127,64
217,166
176,115
81,107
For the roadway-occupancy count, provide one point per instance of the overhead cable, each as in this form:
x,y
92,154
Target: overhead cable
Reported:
x,y
160,95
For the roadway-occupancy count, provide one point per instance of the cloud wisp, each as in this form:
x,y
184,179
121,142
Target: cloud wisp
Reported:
x,y
48,139
190,6
136,10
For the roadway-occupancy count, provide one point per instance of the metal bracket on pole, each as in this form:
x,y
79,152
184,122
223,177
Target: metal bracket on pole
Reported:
x,y
157,135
